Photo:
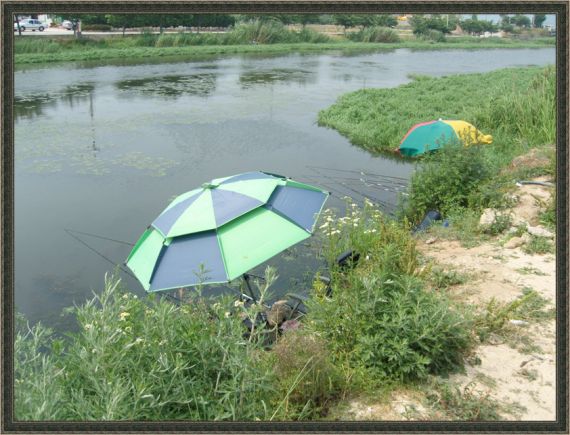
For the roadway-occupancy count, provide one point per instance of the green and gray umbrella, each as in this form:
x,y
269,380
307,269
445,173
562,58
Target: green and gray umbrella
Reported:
x,y
218,232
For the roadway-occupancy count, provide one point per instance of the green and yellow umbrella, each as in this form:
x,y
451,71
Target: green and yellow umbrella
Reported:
x,y
432,135
218,232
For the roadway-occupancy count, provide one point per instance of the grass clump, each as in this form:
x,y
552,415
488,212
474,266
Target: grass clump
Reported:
x,y
494,317
307,380
539,245
433,35
381,323
442,278
548,216
463,404
375,34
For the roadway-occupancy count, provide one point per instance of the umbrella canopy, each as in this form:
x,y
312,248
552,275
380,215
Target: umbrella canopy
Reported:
x,y
432,135
224,229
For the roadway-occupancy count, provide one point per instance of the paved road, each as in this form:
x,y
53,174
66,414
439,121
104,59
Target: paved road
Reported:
x,y
57,31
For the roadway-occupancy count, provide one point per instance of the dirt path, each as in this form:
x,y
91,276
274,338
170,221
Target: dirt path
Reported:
x,y
518,373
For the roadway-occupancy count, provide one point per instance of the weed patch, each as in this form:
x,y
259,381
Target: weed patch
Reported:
x,y
465,404
539,245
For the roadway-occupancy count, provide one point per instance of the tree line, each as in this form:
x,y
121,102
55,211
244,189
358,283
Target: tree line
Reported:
x,y
421,24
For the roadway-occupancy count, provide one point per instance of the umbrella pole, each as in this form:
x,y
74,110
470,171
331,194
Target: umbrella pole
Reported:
x,y
246,279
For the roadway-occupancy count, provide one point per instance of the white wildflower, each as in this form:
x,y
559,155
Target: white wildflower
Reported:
x,y
123,315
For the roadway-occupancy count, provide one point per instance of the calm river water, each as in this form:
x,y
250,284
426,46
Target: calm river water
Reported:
x,y
102,148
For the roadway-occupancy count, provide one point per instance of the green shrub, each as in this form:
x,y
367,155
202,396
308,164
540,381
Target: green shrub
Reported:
x,y
147,360
375,34
392,327
433,35
380,321
37,379
445,179
309,35
260,32
145,39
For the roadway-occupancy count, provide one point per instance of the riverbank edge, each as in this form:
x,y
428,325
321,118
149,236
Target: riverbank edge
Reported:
x,y
202,50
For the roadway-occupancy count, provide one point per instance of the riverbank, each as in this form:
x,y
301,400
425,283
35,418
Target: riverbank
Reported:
x,y
43,50
511,373
496,253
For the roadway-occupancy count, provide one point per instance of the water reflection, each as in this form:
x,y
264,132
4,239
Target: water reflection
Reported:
x,y
33,105
173,86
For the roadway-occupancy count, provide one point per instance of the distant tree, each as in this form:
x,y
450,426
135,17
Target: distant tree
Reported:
x,y
538,21
452,21
520,21
326,19
94,19
505,24
505,19
478,26
121,21
422,24
345,20
211,20
360,20
381,20
17,18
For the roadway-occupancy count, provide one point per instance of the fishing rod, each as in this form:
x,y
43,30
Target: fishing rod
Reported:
x,y
388,187
369,197
388,208
335,193
345,195
99,237
387,182
104,257
357,172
